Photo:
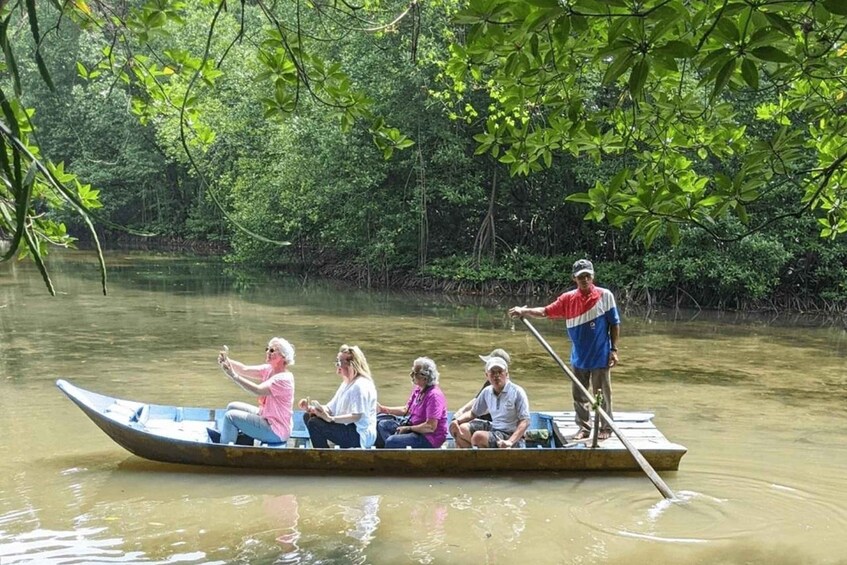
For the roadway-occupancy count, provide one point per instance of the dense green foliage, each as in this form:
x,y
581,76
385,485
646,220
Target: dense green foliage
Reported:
x,y
460,144
663,91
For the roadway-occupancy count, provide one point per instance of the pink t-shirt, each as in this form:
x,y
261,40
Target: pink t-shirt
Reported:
x,y
278,407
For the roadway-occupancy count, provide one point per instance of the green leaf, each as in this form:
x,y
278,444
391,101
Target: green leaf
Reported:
x,y
750,73
722,78
638,77
677,49
11,64
33,22
617,67
156,19
716,57
727,27
468,17
710,201
32,244
838,7
581,197
673,233
780,23
541,18
42,70
544,3
771,54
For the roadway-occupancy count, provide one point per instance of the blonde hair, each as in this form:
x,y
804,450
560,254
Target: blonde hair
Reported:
x,y
357,360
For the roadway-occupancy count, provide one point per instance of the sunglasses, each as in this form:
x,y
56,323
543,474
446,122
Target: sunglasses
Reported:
x,y
417,374
270,350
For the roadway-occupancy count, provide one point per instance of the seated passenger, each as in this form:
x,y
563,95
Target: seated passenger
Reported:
x,y
425,411
270,421
501,353
508,406
349,419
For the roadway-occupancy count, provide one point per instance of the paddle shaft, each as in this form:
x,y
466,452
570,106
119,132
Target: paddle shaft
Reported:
x,y
642,462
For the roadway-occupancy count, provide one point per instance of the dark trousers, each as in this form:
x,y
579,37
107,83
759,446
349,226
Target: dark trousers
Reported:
x,y
320,432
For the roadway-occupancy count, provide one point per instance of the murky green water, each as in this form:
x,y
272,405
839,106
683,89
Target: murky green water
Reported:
x,y
761,407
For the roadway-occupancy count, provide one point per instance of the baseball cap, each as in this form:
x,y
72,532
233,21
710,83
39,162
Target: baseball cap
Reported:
x,y
583,266
496,362
501,353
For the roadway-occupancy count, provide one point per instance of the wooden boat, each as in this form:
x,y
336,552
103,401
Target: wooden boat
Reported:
x,y
176,434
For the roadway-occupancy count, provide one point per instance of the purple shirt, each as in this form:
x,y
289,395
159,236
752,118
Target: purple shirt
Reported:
x,y
431,405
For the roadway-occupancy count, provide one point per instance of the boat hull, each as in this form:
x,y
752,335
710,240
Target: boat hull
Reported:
x,y
124,422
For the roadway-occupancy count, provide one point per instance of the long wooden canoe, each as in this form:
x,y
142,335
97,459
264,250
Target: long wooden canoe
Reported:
x,y
176,434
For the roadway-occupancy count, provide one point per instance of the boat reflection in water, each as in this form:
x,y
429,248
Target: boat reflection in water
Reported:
x,y
305,529
339,532
284,514
430,518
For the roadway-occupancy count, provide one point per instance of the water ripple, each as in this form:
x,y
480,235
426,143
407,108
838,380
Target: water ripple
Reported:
x,y
81,545
725,507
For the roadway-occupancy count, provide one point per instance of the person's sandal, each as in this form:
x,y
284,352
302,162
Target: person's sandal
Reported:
x,y
580,435
604,434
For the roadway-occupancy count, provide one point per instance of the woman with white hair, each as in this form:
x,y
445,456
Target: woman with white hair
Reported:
x,y
425,412
349,419
273,383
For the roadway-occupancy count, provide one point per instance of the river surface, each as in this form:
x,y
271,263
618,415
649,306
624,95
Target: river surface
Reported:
x,y
760,404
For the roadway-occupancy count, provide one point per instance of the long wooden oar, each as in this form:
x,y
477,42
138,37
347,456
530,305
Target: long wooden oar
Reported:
x,y
642,462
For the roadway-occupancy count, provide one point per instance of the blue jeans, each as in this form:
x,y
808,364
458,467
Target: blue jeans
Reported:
x,y
387,436
320,432
385,428
402,441
245,417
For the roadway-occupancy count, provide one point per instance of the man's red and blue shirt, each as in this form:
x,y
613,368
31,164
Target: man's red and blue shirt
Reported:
x,y
588,317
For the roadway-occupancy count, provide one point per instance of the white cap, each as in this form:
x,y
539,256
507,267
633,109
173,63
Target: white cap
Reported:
x,y
501,353
496,362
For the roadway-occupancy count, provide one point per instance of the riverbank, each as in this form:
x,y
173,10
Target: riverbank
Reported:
x,y
628,292
534,279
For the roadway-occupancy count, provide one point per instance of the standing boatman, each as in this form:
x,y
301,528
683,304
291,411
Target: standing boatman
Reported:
x,y
593,324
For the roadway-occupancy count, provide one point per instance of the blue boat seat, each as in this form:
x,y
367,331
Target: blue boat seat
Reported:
x,y
299,431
